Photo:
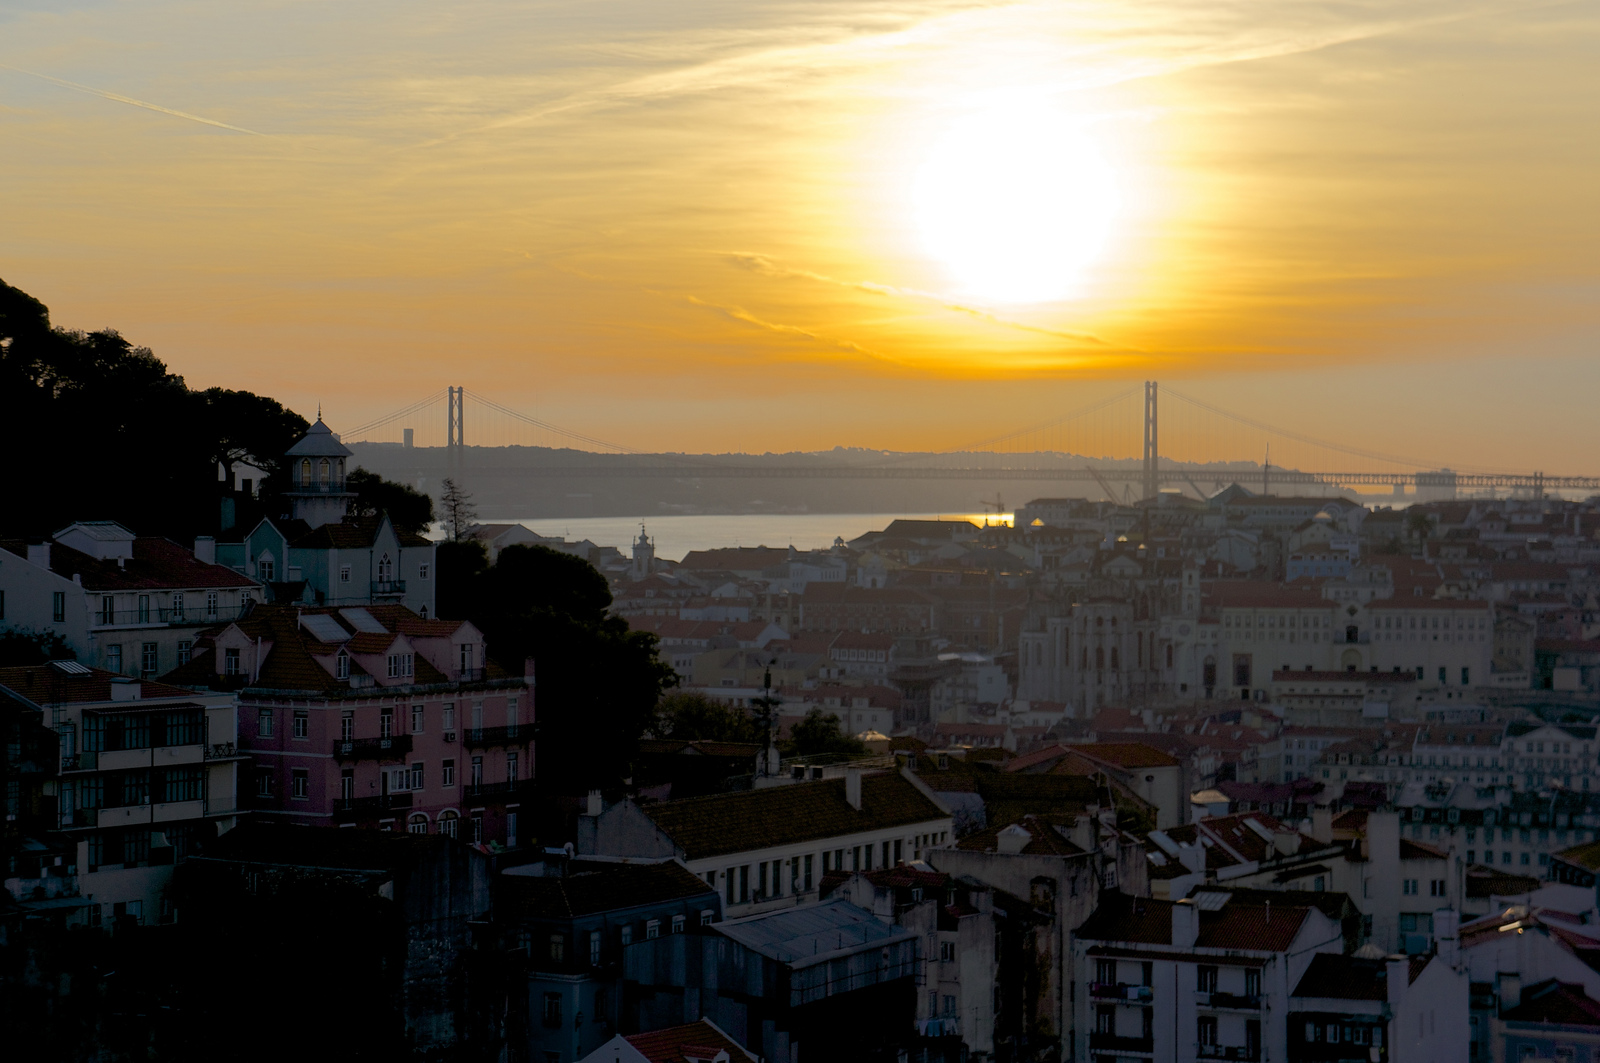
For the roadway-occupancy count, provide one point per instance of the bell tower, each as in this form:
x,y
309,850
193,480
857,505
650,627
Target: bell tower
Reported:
x,y
644,555
317,477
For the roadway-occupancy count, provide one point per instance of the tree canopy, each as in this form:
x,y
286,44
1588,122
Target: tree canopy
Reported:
x,y
598,681
820,733
88,418
688,715
408,508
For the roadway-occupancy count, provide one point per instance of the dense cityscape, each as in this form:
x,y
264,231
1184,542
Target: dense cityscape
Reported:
x,y
1248,776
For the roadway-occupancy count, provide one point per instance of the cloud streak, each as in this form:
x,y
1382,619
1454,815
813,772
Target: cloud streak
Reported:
x,y
117,97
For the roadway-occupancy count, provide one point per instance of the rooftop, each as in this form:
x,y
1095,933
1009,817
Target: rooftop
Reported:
x,y
592,886
802,936
1337,977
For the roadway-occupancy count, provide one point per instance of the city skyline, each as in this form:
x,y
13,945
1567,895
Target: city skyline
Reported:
x,y
709,229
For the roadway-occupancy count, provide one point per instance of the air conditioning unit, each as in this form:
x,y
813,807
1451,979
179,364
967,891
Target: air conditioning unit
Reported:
x,y
449,736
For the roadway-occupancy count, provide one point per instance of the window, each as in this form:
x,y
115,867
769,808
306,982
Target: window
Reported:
x,y
1436,888
476,828
416,718
511,767
1409,887
1105,972
1206,1029
185,652
302,723
594,948
422,570
299,784
344,573
1105,1019
108,609
1206,979
386,722
341,665
466,657
149,658
394,666
447,773
114,659
415,782
264,782
552,1009
806,880
678,924
417,824
1252,983
230,661
947,951
408,664
558,948
448,821
347,726
211,605
58,606
511,830
652,929
447,716
347,784
476,779
706,916
264,723
266,571
627,936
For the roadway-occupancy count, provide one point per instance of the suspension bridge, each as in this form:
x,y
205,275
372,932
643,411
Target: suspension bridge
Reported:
x,y
1141,440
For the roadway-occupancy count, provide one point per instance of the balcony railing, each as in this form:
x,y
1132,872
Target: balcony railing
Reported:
x,y
1120,991
381,587
155,615
222,751
1110,1042
88,760
1242,1053
496,789
331,487
395,747
381,803
520,735
1243,1001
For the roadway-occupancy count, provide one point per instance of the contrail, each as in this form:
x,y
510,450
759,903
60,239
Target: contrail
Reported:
x,y
117,97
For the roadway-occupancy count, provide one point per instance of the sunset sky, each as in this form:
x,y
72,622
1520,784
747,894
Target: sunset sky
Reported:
x,y
763,226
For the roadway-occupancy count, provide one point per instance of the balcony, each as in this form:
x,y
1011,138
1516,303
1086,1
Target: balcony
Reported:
x,y
513,788
1120,991
1235,1001
388,588
477,737
86,761
1110,1042
395,747
224,751
1244,1053
326,487
158,616
80,817
358,806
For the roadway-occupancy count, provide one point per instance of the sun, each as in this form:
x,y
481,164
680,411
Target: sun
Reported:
x,y
1015,202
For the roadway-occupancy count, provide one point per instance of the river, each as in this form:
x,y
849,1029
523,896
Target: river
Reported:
x,y
675,536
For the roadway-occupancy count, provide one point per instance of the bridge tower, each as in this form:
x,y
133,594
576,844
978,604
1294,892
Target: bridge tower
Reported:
x,y
1152,478
455,429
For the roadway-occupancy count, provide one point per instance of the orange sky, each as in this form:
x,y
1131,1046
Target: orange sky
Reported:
x,y
691,226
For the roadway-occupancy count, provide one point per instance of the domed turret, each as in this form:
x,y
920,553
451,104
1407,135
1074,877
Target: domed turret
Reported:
x,y
317,476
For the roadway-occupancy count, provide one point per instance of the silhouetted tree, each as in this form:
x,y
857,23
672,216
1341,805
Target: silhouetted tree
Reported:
x,y
687,715
818,733
455,504
408,508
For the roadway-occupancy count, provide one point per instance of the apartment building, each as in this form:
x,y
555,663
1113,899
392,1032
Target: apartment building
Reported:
x,y
769,848
375,716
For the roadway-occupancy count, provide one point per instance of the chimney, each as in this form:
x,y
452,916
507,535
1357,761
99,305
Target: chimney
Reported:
x,y
594,804
852,787
39,554
1510,990
1322,824
1286,842
1185,924
1444,934
1399,981
1012,840
527,670
205,550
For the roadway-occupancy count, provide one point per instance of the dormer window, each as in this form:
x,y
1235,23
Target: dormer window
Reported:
x,y
341,665
385,569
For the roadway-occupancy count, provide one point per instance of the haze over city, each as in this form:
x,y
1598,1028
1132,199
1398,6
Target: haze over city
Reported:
x,y
750,226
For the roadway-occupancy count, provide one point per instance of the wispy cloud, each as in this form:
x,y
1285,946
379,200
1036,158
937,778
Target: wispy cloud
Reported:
x,y
739,313
117,97
765,266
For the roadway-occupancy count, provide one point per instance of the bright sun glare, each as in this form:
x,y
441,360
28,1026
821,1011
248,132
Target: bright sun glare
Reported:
x,y
1016,203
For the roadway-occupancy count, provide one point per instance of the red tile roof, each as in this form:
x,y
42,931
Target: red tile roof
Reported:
x,y
695,1043
45,684
1246,927
1127,755
156,564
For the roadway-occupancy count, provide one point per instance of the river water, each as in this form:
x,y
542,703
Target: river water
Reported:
x,y
676,535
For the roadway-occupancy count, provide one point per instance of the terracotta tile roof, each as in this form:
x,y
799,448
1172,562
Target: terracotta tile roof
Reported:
x,y
1337,977
780,815
1586,856
1413,850
1491,882
45,684
1046,839
1246,927
694,1043
1556,1003
596,886
157,564
1127,755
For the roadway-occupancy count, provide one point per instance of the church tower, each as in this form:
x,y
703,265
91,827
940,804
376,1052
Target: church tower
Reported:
x,y
317,477
644,556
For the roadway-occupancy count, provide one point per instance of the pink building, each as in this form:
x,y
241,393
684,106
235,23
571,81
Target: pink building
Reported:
x,y
374,716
